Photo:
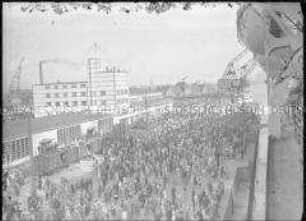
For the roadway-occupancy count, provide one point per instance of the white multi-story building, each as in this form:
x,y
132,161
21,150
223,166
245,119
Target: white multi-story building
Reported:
x,y
55,98
106,90
108,87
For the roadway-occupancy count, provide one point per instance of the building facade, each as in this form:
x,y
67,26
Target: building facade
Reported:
x,y
63,130
66,129
108,88
55,98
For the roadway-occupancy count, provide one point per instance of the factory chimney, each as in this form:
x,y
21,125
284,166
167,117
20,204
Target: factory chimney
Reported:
x,y
41,79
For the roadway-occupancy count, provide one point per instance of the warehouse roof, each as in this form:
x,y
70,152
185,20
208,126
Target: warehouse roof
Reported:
x,y
19,128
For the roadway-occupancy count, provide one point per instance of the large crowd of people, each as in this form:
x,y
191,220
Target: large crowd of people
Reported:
x,y
169,167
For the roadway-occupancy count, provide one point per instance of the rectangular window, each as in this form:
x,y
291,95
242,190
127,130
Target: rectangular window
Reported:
x,y
55,86
103,102
4,148
66,103
65,95
27,149
102,93
7,152
48,95
56,95
60,136
13,150
21,147
47,87
74,94
64,86
83,94
83,85
84,103
75,103
73,86
18,149
57,104
49,104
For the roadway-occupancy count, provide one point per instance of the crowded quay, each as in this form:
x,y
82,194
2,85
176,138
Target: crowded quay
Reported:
x,y
152,111
167,167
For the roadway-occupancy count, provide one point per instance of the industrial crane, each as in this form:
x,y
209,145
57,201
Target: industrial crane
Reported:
x,y
230,69
14,92
14,87
234,79
235,75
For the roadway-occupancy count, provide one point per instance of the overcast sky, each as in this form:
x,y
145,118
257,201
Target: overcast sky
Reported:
x,y
199,42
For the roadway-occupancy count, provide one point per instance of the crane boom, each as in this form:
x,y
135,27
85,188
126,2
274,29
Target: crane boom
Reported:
x,y
229,68
14,86
234,75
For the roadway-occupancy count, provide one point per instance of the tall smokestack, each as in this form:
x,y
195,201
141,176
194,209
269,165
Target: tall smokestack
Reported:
x,y
41,79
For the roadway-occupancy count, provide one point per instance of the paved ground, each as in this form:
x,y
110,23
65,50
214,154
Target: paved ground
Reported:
x,y
241,196
285,190
241,202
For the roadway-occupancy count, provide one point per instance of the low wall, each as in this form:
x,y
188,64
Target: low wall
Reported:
x,y
259,208
252,177
243,174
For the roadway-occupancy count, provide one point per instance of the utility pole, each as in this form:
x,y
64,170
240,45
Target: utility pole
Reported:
x,y
146,107
241,87
115,89
90,85
32,158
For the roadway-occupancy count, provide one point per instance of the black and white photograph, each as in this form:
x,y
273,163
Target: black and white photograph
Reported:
x,y
152,110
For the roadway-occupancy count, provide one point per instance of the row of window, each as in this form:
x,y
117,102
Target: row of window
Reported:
x,y
122,101
66,104
99,102
73,94
66,135
76,94
99,93
19,148
123,91
65,86
84,94
82,103
15,150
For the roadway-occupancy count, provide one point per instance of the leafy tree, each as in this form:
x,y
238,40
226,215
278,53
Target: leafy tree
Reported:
x,y
106,8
